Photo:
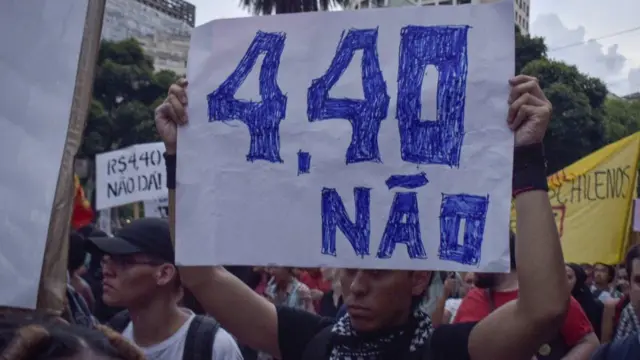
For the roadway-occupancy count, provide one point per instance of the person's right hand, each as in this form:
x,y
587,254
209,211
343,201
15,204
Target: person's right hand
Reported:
x,y
171,113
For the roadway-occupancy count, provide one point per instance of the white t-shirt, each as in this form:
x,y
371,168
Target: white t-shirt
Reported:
x,y
224,346
452,305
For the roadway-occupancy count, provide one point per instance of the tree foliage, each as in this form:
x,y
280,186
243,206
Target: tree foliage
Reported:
x,y
125,92
268,7
622,118
578,121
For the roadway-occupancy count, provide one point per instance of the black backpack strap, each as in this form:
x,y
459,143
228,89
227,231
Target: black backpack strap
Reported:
x,y
318,347
200,337
120,321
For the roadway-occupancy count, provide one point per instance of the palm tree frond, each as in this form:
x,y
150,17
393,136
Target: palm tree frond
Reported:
x,y
268,7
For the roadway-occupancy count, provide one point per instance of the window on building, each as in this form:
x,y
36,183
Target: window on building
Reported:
x,y
446,2
462,2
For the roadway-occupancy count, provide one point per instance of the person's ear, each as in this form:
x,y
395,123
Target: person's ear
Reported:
x,y
420,282
165,274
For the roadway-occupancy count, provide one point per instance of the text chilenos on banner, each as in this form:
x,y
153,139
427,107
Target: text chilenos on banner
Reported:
x,y
591,201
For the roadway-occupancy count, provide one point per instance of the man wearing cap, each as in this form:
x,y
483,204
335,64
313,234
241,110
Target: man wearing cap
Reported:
x,y
139,274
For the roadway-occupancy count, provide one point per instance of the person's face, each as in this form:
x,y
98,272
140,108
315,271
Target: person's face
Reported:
x,y
588,270
280,274
128,280
601,274
467,283
634,284
485,280
377,299
571,277
622,281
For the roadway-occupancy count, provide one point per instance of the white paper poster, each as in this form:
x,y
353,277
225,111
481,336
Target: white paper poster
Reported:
x,y
124,176
41,43
362,139
157,208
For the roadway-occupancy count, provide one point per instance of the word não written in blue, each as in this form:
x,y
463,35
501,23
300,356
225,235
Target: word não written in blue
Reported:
x,y
421,142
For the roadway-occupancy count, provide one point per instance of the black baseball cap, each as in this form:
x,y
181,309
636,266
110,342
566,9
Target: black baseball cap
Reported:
x,y
149,236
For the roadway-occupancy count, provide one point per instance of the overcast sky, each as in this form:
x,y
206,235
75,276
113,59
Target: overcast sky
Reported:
x,y
569,27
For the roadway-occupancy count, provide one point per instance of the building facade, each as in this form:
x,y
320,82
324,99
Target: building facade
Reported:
x,y
163,28
521,13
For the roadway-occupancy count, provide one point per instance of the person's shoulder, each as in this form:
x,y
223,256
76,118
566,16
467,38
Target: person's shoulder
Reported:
x,y
294,318
225,346
296,329
450,342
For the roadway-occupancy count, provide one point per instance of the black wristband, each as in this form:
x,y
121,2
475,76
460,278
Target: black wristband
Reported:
x,y
170,164
529,169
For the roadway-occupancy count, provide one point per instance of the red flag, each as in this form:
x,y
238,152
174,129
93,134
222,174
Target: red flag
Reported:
x,y
82,212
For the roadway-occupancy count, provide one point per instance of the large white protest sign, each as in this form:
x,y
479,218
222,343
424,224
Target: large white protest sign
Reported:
x,y
158,208
124,176
41,43
366,139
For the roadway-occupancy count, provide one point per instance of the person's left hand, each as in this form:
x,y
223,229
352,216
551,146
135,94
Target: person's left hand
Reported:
x,y
529,110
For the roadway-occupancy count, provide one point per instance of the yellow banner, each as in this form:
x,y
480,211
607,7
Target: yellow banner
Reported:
x,y
592,201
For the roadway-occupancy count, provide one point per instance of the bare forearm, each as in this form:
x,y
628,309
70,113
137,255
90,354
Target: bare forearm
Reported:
x,y
584,349
246,315
539,258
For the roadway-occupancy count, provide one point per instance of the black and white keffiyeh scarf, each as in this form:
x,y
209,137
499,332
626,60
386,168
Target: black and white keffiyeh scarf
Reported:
x,y
348,345
628,323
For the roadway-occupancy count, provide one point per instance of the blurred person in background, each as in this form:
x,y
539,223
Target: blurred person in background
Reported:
x,y
455,288
286,290
580,291
626,345
76,267
603,276
588,269
622,281
317,284
332,300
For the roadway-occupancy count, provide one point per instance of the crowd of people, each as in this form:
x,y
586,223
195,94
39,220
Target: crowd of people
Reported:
x,y
127,299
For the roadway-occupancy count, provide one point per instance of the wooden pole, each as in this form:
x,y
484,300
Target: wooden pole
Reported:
x,y
53,279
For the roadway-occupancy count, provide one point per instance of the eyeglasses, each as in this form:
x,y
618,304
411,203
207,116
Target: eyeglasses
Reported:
x,y
127,261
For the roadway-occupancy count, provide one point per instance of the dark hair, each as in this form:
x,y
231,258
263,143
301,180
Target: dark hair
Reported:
x,y
593,308
632,254
77,252
29,337
512,249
